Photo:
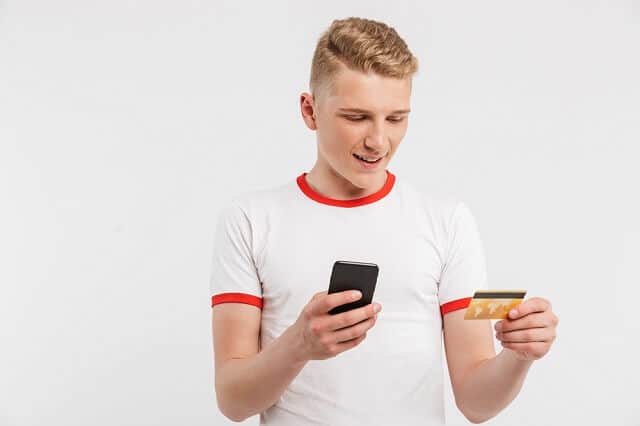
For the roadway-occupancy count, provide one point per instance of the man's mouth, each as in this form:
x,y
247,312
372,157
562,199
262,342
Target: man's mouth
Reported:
x,y
367,159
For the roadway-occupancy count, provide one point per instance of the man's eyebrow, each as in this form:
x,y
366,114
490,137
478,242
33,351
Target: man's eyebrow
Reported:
x,y
364,111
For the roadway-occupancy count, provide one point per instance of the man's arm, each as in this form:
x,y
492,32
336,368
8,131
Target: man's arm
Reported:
x,y
250,379
483,383
247,380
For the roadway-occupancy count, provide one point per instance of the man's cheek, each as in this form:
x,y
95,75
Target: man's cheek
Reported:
x,y
350,136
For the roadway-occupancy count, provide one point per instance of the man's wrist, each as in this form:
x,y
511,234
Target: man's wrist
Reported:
x,y
511,357
294,342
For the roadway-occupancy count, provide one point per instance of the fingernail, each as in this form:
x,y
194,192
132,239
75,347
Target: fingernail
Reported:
x,y
513,313
498,326
377,308
356,295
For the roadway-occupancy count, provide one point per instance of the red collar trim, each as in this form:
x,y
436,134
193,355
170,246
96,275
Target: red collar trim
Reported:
x,y
372,198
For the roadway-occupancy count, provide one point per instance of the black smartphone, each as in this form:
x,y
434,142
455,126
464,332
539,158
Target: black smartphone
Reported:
x,y
347,275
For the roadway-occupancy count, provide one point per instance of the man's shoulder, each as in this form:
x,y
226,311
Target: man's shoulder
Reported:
x,y
261,199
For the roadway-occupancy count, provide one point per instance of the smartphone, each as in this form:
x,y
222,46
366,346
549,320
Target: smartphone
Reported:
x,y
347,275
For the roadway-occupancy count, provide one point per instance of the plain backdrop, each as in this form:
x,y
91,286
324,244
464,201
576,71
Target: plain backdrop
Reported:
x,y
126,125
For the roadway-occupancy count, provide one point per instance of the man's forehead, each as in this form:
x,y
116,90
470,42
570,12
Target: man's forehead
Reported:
x,y
371,103
357,92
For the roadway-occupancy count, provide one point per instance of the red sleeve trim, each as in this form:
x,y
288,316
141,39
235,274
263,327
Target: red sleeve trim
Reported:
x,y
249,299
454,305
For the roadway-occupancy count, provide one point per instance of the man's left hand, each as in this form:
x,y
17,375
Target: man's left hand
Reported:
x,y
529,330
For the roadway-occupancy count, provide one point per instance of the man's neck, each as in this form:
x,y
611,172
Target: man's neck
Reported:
x,y
330,184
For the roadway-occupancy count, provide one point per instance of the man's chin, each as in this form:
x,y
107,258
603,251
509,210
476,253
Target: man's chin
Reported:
x,y
365,179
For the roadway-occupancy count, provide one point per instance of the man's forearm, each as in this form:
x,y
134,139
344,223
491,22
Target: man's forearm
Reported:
x,y
491,386
248,386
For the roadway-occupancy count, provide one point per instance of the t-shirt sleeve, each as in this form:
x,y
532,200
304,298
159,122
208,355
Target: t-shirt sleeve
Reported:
x,y
464,268
234,277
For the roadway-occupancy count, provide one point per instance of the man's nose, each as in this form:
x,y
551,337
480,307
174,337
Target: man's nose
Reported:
x,y
375,140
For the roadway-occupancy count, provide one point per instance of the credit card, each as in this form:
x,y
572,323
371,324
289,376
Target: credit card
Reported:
x,y
493,304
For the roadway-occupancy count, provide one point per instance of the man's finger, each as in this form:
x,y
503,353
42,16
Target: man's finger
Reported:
x,y
354,316
319,294
330,301
534,320
535,304
528,335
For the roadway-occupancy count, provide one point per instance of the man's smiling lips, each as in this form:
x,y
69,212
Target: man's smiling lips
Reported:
x,y
367,158
367,164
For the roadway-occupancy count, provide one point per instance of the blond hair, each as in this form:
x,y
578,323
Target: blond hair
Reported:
x,y
362,45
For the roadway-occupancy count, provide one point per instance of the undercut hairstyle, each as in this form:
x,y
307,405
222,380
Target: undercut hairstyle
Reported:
x,y
361,45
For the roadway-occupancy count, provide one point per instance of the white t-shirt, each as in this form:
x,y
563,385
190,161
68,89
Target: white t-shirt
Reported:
x,y
275,249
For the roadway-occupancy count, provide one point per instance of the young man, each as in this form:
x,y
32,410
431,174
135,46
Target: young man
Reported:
x,y
278,352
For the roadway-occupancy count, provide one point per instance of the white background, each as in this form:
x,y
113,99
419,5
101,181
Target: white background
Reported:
x,y
126,125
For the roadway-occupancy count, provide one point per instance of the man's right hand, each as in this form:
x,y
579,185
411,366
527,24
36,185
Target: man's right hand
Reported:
x,y
323,335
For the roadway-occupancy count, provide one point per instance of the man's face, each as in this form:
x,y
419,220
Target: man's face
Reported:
x,y
363,115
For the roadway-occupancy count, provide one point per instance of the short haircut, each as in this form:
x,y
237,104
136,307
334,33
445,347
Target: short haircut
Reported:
x,y
361,45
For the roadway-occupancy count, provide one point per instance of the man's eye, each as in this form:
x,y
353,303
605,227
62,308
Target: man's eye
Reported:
x,y
362,117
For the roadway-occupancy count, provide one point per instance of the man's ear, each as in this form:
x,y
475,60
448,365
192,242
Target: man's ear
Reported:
x,y
308,110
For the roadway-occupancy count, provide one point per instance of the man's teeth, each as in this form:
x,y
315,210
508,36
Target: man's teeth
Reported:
x,y
367,159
